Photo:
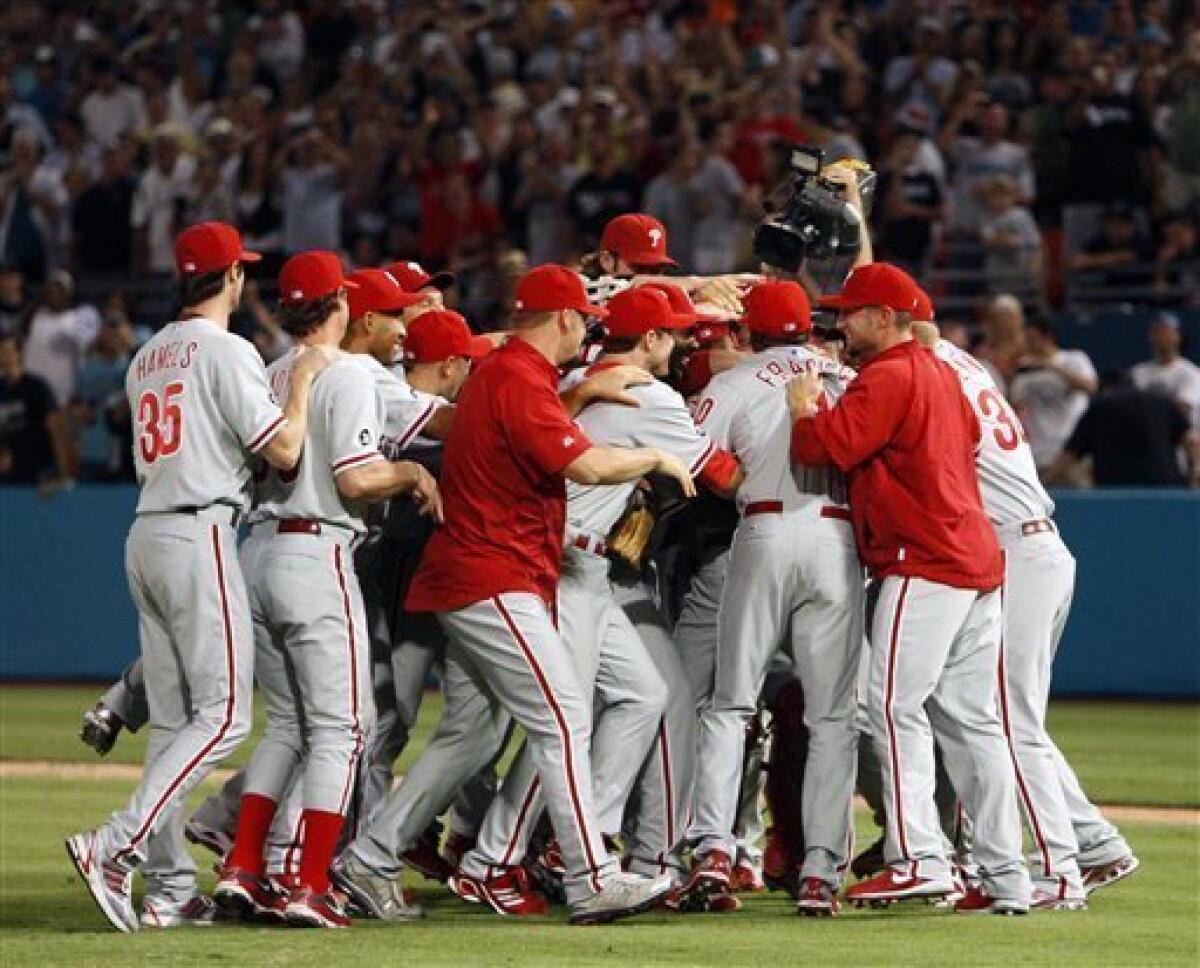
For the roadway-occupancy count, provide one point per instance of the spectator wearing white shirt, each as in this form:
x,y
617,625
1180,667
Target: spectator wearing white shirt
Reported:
x,y
60,334
158,202
313,174
1169,372
1050,391
975,161
111,108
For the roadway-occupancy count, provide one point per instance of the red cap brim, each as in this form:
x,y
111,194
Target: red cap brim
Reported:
x,y
838,301
589,310
350,284
649,259
249,257
479,346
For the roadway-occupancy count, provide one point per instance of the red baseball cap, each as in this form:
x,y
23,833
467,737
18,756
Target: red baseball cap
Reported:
x,y
876,284
210,247
311,275
549,288
413,277
709,334
378,291
440,334
681,303
777,307
641,240
924,311
641,310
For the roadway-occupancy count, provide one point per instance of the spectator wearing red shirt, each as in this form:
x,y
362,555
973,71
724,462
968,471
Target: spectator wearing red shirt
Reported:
x,y
491,574
905,437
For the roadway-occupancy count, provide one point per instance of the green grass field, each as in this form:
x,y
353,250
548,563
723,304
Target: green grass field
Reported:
x,y
1125,753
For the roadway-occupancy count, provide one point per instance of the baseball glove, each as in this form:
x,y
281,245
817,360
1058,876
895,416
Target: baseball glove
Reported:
x,y
629,537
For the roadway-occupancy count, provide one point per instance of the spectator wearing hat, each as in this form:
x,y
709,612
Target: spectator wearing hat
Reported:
x,y
60,333
1050,391
156,215
1168,371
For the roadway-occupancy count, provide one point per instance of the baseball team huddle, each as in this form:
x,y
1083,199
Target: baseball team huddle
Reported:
x,y
700,551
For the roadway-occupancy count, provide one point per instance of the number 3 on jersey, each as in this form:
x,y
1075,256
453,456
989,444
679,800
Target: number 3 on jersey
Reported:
x,y
1009,433
160,422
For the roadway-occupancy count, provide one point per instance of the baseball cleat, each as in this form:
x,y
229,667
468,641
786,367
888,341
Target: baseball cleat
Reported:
x,y
509,894
202,835
100,728
623,896
817,899
308,909
711,874
870,862
978,901
197,911
423,857
890,886
254,897
111,885
1102,875
746,877
723,902
466,887
377,896
1055,901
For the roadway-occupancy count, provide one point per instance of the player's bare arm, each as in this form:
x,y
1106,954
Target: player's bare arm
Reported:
x,y
380,479
616,465
283,450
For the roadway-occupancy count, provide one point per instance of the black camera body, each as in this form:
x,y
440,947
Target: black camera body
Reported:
x,y
814,222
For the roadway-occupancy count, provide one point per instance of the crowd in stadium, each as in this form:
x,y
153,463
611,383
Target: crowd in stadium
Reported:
x,y
1031,157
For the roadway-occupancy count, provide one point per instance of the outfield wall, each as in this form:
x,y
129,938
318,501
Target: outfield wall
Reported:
x,y
1134,629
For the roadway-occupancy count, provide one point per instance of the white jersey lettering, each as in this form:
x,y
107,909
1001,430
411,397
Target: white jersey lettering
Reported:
x,y
200,405
1008,479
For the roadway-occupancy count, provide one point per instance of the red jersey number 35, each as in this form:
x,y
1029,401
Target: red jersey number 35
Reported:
x,y
160,422
1008,431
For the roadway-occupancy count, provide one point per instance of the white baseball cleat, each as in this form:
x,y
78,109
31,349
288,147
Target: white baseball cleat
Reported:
x,y
622,897
198,911
111,885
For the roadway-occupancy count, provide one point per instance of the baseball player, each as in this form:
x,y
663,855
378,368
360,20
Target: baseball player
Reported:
x,y
491,575
310,628
1039,580
794,581
200,405
643,735
905,437
438,352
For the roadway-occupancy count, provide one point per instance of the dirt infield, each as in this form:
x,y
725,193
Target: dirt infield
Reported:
x,y
58,770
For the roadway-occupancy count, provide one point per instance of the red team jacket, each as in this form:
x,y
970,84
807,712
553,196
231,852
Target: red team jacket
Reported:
x,y
905,436
504,496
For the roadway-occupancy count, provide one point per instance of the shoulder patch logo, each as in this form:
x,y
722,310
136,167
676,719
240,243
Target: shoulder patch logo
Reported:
x,y
568,440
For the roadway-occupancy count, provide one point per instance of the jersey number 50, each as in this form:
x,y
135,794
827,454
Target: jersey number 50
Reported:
x,y
160,422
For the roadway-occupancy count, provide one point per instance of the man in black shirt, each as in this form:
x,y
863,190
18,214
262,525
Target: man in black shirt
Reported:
x,y
32,429
103,237
1132,436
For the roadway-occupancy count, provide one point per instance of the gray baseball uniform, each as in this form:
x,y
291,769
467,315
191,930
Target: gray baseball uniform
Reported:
x,y
1038,586
794,582
200,405
305,597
